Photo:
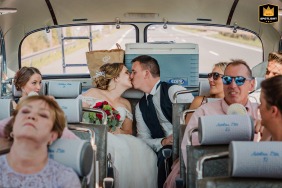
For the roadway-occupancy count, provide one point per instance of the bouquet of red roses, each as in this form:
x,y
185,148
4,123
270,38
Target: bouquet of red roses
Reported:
x,y
113,115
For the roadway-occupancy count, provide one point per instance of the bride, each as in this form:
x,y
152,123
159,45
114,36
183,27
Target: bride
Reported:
x,y
134,161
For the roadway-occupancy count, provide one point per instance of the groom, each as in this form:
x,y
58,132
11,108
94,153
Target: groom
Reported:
x,y
154,110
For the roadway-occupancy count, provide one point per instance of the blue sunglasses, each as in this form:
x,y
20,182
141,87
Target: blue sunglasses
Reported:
x,y
239,80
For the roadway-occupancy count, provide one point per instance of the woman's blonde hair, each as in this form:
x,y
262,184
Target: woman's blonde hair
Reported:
x,y
57,114
221,65
106,73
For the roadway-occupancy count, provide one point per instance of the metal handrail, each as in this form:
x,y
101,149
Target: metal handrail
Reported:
x,y
182,92
184,113
200,162
190,132
105,117
84,129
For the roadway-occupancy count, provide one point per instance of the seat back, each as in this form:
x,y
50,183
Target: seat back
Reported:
x,y
215,134
74,153
6,108
64,89
74,111
251,164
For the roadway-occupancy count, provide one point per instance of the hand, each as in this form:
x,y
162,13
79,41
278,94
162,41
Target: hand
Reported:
x,y
51,97
167,141
117,131
259,128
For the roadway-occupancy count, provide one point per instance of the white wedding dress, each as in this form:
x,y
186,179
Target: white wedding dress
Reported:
x,y
135,163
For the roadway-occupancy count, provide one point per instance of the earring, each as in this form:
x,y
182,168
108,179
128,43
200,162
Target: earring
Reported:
x,y
11,135
50,143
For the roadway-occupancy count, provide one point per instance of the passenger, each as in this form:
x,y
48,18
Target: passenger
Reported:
x,y
154,110
37,122
216,88
274,68
271,106
237,83
135,164
216,91
27,80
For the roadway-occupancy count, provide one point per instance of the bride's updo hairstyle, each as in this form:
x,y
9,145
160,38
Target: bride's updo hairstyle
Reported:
x,y
106,73
23,75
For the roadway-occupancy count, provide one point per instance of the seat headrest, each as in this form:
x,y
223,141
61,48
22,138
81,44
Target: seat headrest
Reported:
x,y
204,88
74,153
64,89
133,94
258,81
255,159
222,129
16,93
6,108
72,109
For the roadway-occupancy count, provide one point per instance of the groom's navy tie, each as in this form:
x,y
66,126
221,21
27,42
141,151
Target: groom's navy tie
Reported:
x,y
155,127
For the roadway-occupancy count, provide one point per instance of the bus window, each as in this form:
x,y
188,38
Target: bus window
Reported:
x,y
62,50
215,43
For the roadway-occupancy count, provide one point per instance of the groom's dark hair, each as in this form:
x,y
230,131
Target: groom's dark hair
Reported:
x,y
149,63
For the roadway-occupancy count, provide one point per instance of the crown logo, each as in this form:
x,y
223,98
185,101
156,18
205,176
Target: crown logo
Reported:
x,y
268,11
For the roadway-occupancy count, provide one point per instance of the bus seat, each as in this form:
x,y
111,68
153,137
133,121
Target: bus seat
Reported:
x,y
6,108
96,133
133,94
74,153
177,108
215,133
72,109
258,81
251,164
64,89
17,94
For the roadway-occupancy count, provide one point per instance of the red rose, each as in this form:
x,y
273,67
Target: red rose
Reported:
x,y
108,112
105,103
98,105
118,117
113,109
99,116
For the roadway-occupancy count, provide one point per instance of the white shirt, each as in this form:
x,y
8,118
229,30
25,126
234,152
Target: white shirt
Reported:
x,y
143,131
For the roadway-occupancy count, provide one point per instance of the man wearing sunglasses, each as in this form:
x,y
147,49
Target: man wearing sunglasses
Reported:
x,y
237,83
274,68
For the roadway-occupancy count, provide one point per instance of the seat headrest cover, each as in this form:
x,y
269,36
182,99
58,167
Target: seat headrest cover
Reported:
x,y
204,88
222,129
6,108
64,89
72,109
74,153
255,159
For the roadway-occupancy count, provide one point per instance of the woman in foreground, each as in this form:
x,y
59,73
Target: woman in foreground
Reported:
x,y
36,123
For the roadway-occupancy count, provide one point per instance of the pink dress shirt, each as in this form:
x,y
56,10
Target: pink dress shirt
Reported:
x,y
217,107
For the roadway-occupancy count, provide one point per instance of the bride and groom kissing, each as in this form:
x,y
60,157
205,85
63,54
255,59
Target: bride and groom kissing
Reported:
x,y
153,114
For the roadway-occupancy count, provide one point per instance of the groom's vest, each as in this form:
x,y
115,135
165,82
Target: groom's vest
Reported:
x,y
166,106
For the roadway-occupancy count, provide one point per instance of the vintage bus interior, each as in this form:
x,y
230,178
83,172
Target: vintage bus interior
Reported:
x,y
186,36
